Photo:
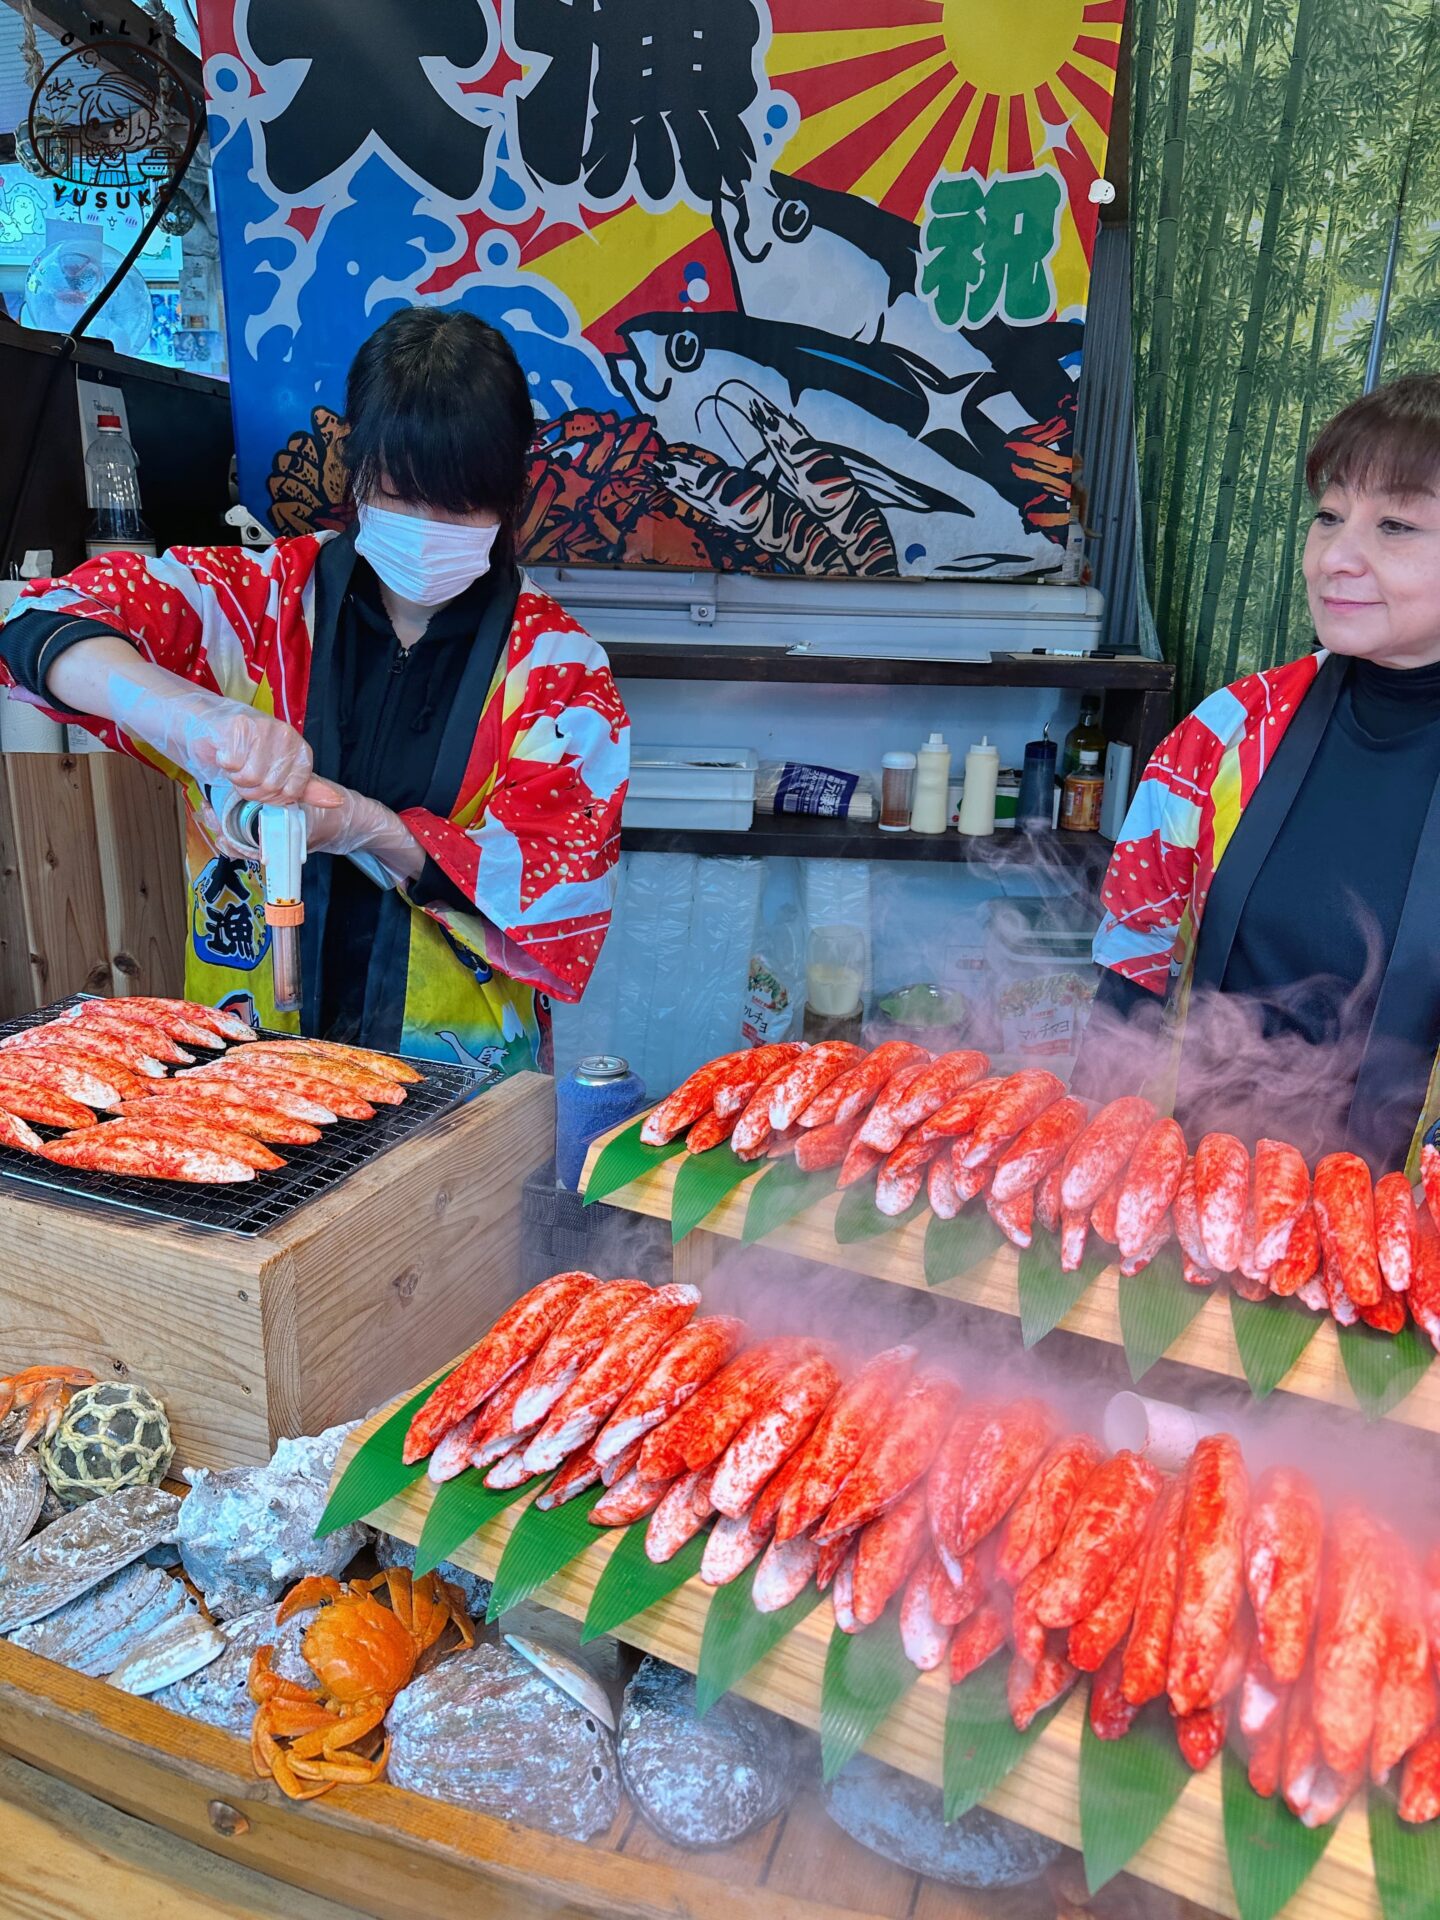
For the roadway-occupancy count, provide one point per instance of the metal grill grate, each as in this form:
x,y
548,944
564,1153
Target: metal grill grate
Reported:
x,y
257,1205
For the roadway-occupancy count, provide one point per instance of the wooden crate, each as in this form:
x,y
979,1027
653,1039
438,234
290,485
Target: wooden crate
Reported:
x,y
343,1305
1207,1344
1185,1856
377,1850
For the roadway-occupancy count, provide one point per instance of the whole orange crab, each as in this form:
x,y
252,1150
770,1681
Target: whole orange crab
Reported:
x,y
363,1654
41,1393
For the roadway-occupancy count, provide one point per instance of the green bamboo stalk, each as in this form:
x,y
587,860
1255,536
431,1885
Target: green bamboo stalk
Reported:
x,y
1280,160
1144,29
1279,634
1200,311
1267,448
1182,645
1162,291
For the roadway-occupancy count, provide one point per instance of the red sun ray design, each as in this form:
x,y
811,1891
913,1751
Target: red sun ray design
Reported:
x,y
978,154
820,87
909,193
1019,154
849,158
1091,95
1105,13
1107,52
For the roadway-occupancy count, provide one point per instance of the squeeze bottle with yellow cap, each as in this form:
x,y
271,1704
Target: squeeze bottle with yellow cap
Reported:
x,y
982,773
931,810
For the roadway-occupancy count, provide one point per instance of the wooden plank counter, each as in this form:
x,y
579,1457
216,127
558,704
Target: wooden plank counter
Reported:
x,y
1207,1344
346,1302
377,1850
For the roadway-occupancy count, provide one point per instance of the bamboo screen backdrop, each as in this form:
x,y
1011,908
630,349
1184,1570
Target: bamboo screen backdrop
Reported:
x,y
1280,147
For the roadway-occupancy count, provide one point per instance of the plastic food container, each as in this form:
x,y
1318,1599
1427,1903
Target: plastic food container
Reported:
x,y
1042,977
695,787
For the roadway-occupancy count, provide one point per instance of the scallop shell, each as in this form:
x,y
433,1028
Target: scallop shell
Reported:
x,y
174,1651
22,1494
567,1675
94,1633
76,1553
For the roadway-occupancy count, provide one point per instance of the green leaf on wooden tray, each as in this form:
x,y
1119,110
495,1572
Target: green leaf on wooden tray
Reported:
x,y
540,1544
1126,1789
1406,1859
625,1159
866,1675
701,1183
1271,1336
1156,1306
736,1636
1271,1855
459,1509
377,1472
953,1247
1383,1368
777,1196
1047,1294
630,1581
981,1742
858,1218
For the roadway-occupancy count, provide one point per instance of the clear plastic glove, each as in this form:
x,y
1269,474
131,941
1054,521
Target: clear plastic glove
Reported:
x,y
213,738
377,840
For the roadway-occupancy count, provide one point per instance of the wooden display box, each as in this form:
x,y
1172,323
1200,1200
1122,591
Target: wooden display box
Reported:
x,y
1185,1856
342,1306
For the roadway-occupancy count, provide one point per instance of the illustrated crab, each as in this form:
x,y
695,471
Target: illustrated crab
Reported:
x,y
309,1740
595,495
41,1394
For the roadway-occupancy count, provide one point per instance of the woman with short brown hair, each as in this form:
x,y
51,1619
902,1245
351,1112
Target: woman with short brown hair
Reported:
x,y
1273,902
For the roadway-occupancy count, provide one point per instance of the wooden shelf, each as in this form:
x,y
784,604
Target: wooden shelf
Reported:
x,y
1207,1344
791,835
659,660
1185,1856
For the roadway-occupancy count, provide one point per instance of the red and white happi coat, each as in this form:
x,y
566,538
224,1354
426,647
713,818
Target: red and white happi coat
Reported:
x,y
531,839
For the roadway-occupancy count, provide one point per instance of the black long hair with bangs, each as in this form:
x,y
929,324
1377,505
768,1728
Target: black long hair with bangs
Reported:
x,y
438,408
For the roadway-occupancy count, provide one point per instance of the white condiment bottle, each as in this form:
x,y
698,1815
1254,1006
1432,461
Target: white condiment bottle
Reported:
x,y
982,772
931,810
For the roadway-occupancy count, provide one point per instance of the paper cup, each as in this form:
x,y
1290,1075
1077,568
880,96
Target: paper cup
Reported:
x,y
1164,1433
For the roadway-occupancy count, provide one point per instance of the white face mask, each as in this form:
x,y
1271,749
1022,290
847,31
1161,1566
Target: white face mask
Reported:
x,y
426,562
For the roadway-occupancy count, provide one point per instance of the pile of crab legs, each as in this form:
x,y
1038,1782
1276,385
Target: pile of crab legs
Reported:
x,y
1335,1240
987,1525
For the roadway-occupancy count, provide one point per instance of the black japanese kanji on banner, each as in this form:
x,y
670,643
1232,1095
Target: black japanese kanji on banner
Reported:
x,y
793,294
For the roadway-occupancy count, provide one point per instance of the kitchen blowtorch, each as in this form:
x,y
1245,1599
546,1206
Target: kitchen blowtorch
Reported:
x,y
277,835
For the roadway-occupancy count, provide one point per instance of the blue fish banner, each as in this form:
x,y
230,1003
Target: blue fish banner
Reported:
x,y
798,288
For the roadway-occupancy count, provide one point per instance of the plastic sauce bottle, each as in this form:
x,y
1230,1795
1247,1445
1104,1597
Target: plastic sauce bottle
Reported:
x,y
982,774
930,813
115,521
1084,790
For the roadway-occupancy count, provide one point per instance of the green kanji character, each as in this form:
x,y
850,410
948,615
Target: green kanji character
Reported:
x,y
988,247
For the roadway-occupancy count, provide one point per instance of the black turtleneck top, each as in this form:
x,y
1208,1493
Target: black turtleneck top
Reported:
x,y
1315,936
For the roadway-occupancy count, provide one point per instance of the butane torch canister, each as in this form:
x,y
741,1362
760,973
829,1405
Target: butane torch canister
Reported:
x,y
277,835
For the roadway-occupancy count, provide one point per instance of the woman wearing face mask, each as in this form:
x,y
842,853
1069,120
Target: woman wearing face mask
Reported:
x,y
1274,898
443,724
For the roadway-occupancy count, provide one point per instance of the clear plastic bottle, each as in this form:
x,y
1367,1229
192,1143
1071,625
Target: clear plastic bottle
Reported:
x,y
115,520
